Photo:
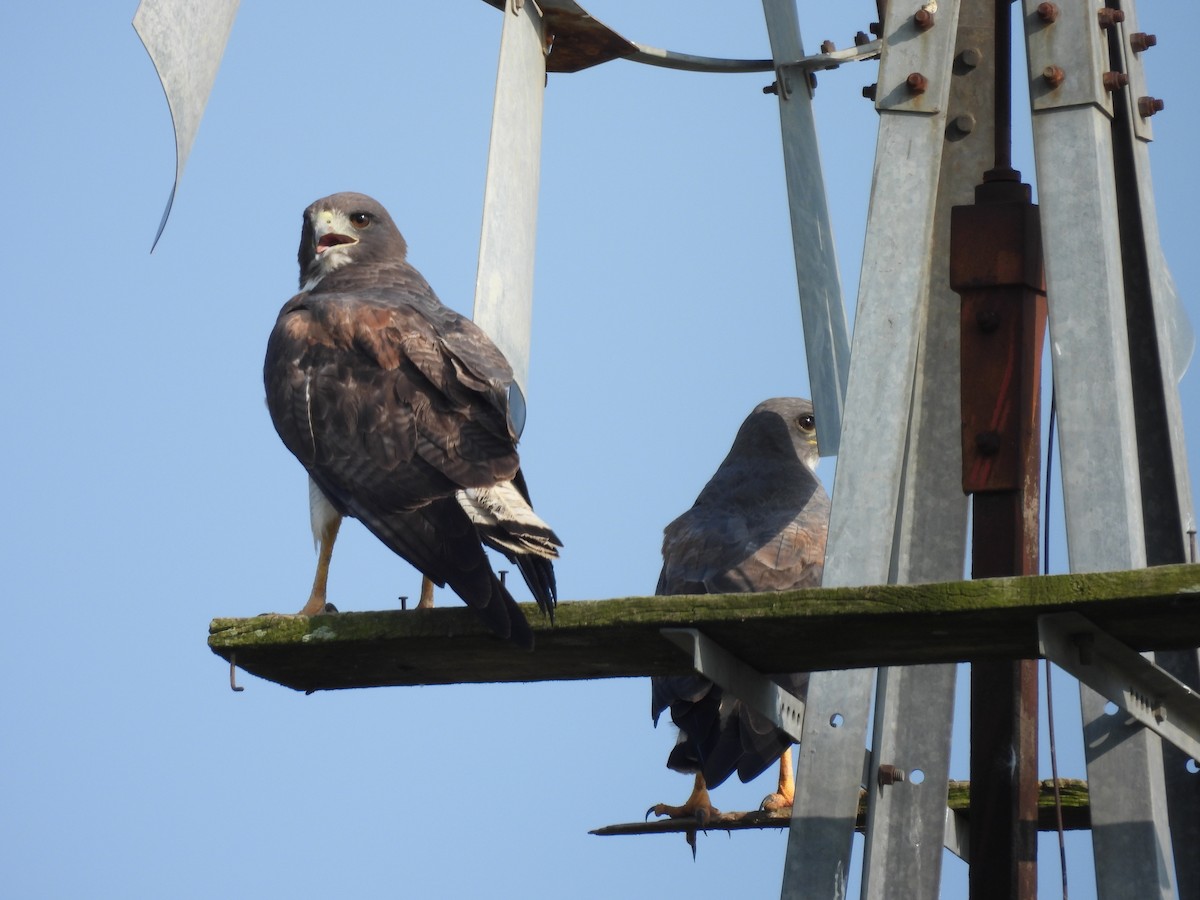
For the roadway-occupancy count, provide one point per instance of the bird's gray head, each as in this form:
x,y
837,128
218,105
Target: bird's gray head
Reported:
x,y
782,424
346,229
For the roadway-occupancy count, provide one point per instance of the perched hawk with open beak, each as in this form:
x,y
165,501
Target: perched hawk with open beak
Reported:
x,y
399,409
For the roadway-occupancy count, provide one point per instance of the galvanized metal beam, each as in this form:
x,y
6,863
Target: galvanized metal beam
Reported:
x,y
1161,344
1148,693
890,323
1134,683
914,706
826,336
784,709
1070,82
906,820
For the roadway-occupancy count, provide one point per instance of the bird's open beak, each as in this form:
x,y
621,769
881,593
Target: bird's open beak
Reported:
x,y
332,240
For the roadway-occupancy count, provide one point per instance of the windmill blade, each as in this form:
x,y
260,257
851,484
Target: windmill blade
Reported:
x,y
186,40
504,281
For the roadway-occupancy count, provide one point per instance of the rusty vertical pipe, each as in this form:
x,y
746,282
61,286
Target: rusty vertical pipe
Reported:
x,y
996,267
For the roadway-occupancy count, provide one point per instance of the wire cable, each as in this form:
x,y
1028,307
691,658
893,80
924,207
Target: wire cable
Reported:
x,y
1062,842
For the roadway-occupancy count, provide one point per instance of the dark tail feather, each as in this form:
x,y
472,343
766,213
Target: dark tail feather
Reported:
x,y
538,573
519,631
500,613
442,543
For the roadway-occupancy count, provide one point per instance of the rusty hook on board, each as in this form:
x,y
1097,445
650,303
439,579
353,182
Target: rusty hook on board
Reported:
x,y
233,685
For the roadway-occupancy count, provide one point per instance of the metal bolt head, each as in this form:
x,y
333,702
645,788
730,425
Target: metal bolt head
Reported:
x,y
870,90
1114,81
1053,76
917,83
1047,12
876,29
923,20
889,774
1148,106
1140,41
861,38
772,88
988,320
828,46
965,123
987,443
1110,17
971,57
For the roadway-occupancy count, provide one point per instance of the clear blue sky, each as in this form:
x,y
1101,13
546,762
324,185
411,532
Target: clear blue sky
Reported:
x,y
146,491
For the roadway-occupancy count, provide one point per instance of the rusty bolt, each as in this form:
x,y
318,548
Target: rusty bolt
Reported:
x,y
971,57
1141,41
964,123
869,91
1110,17
988,320
1148,106
917,83
923,20
889,774
1047,12
1053,76
987,443
828,46
861,38
876,29
772,88
1114,81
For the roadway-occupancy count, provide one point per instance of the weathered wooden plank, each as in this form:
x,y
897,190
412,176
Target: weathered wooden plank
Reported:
x,y
1076,815
834,628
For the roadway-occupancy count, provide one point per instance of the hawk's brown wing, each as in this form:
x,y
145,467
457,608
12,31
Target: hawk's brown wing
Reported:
x,y
392,408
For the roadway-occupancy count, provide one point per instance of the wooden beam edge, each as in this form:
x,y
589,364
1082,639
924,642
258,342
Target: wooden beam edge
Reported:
x,y
1156,608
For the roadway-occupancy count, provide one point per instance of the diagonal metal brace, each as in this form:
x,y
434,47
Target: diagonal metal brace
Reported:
x,y
749,685
1145,691
784,710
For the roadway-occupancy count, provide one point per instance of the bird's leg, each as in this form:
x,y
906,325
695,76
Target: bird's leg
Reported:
x,y
328,534
697,805
426,601
786,793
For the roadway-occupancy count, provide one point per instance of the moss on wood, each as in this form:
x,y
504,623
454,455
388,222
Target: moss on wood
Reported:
x,y
832,628
1073,793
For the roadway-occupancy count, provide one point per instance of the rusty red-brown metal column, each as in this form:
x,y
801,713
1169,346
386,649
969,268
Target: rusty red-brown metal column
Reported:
x,y
996,268
995,265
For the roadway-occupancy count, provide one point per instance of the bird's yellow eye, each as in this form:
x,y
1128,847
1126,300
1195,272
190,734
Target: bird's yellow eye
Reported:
x,y
360,219
807,424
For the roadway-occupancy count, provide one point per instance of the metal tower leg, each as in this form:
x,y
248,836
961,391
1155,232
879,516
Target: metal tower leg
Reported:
x,y
1161,343
912,95
1073,144
914,707
826,342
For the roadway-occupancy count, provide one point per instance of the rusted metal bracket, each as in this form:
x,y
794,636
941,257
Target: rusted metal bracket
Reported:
x,y
1138,686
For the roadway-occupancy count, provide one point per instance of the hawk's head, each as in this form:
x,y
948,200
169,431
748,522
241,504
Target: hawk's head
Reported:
x,y
781,427
344,229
